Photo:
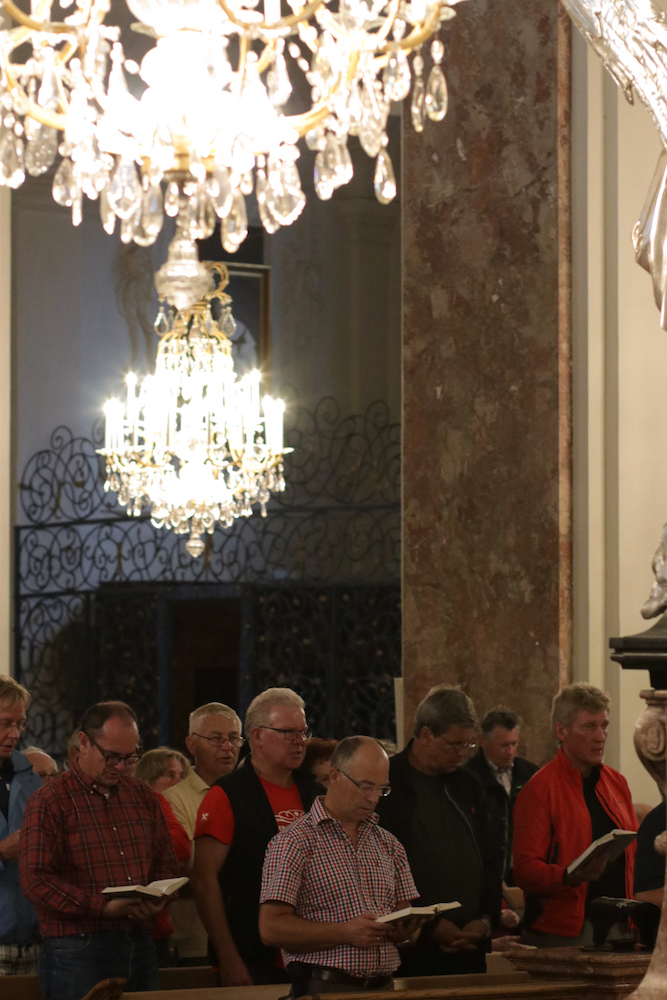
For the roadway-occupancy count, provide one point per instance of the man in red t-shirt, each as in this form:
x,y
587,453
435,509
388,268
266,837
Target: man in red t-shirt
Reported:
x,y
237,818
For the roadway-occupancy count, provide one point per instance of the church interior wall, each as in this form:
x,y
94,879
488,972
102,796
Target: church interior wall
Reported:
x,y
619,374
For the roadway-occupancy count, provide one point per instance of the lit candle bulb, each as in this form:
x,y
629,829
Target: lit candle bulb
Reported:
x,y
132,409
267,405
278,411
271,11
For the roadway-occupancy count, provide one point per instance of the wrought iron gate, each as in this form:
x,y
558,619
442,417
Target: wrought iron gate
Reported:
x,y
317,580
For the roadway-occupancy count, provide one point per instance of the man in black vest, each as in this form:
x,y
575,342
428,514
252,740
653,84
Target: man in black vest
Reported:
x,y
237,818
503,775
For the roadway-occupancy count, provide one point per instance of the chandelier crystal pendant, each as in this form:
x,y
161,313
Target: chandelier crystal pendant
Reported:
x,y
193,440
209,126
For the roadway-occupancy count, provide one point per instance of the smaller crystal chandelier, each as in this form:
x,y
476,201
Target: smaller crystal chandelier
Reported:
x,y
191,440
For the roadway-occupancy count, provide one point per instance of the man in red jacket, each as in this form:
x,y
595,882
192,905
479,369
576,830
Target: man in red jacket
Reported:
x,y
567,805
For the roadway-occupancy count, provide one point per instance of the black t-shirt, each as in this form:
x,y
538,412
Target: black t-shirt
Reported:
x,y
649,865
6,775
612,880
443,856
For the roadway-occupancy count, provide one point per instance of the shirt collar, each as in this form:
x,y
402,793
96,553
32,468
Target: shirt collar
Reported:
x,y
498,770
89,784
197,782
320,815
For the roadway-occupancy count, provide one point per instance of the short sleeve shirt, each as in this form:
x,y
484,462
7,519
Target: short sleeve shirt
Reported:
x,y
314,867
216,817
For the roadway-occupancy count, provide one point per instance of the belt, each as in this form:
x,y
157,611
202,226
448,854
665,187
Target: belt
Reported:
x,y
327,975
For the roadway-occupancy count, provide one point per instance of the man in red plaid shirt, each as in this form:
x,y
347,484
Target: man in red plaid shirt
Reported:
x,y
89,828
329,876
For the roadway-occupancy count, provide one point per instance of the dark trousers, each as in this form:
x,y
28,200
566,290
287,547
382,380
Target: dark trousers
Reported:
x,y
70,966
426,959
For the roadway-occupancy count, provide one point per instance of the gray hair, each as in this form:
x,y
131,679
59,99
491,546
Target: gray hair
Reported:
x,y
348,747
443,707
12,692
499,717
213,708
260,708
576,697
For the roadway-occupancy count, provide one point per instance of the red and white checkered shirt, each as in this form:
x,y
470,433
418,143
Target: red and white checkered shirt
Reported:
x,y
75,841
314,867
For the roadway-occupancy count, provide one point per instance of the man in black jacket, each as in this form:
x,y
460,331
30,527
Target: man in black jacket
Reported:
x,y
503,775
437,811
237,818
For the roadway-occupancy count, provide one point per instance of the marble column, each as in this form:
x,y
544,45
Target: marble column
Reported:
x,y
486,372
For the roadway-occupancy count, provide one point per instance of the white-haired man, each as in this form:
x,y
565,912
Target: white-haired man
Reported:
x,y
570,802
42,763
214,740
238,817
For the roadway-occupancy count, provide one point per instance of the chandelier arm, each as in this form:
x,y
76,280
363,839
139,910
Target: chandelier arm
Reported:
x,y
309,119
47,27
284,22
51,119
267,56
417,37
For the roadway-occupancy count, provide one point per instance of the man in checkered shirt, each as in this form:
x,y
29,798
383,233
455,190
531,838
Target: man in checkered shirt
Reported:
x,y
331,874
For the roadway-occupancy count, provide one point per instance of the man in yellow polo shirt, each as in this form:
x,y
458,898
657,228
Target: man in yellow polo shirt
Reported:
x,y
214,742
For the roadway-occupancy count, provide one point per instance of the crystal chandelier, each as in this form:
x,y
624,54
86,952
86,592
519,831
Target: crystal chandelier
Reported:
x,y
209,126
191,440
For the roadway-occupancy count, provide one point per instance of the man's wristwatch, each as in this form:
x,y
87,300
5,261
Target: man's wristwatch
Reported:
x,y
487,926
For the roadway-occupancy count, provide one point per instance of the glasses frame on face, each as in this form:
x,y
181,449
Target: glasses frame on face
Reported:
x,y
366,786
236,742
21,726
112,759
461,747
291,735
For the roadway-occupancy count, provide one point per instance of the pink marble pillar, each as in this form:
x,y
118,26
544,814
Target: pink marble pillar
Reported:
x,y
486,397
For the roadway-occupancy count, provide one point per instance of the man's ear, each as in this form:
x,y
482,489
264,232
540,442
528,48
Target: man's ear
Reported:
x,y
190,744
560,731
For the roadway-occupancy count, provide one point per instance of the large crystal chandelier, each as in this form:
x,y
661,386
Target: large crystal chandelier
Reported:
x,y
193,440
209,126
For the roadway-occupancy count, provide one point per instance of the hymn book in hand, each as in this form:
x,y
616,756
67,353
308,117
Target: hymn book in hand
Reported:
x,y
612,844
417,911
154,890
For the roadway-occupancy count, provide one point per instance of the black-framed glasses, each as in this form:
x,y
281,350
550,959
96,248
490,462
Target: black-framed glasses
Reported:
x,y
461,747
291,734
367,786
219,741
114,759
7,724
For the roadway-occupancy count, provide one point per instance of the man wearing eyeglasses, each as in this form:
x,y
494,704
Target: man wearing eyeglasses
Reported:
x,y
437,811
329,877
214,742
90,828
19,927
238,817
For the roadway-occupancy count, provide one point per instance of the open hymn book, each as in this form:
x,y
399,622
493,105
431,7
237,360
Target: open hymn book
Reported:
x,y
612,844
154,890
417,911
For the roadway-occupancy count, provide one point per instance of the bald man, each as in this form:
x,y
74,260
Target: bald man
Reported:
x,y
329,876
42,764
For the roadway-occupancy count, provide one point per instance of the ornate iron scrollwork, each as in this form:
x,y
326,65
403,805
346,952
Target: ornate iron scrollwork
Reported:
x,y
334,532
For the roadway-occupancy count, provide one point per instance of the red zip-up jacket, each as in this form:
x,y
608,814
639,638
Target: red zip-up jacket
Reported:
x,y
552,827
